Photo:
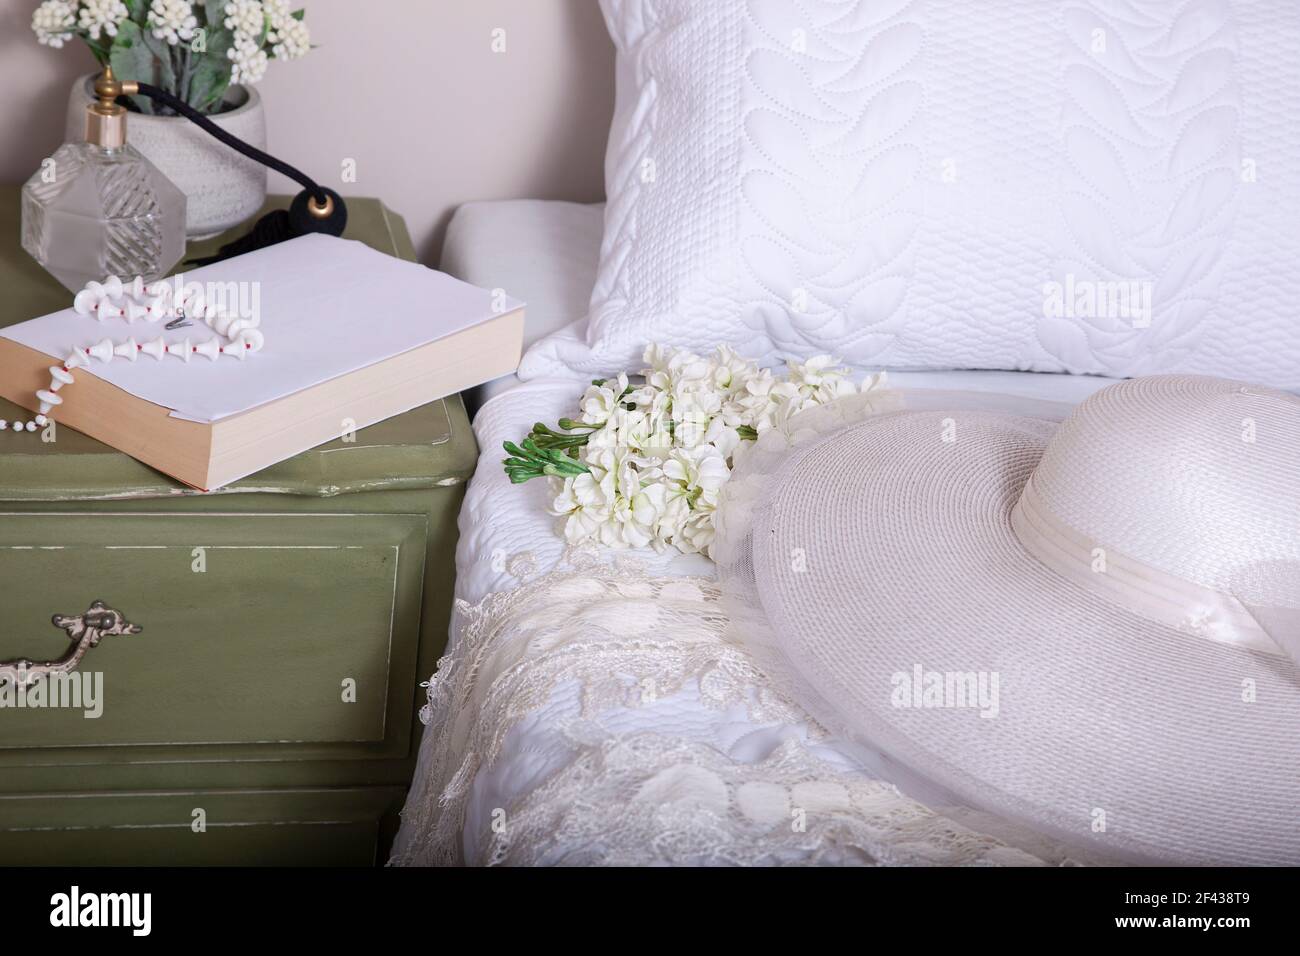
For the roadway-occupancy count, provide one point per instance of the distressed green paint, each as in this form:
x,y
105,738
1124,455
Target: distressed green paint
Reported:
x,y
427,447
339,827
245,651
340,559
424,448
278,515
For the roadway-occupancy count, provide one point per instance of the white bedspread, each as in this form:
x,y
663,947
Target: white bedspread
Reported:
x,y
594,715
506,535
586,716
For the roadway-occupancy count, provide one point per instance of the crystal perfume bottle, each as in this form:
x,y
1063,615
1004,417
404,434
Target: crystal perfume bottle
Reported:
x,y
99,208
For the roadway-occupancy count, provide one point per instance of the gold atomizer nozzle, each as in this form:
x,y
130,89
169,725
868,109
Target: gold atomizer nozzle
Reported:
x,y
319,211
105,119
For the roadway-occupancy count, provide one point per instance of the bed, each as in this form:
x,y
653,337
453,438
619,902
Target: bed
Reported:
x,y
1111,196
605,737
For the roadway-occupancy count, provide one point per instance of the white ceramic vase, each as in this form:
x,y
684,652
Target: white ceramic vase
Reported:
x,y
222,188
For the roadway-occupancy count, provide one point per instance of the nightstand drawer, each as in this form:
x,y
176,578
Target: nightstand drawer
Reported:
x,y
261,635
336,827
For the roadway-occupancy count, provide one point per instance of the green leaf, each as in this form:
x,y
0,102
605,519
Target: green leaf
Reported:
x,y
162,58
216,13
137,10
211,77
101,49
299,14
747,432
209,84
132,60
216,42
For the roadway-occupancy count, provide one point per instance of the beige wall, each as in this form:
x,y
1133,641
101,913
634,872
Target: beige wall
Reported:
x,y
409,89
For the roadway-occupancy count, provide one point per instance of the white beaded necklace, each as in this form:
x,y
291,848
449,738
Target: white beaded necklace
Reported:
x,y
152,303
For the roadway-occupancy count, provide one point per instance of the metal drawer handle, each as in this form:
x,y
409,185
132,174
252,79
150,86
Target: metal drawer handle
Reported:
x,y
84,630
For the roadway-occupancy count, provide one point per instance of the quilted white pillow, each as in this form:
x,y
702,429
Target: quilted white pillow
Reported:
x,y
1099,186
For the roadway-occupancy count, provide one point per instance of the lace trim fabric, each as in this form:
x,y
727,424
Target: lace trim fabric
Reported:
x,y
650,799
637,797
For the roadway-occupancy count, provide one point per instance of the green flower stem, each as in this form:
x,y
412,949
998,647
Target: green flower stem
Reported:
x,y
532,461
548,438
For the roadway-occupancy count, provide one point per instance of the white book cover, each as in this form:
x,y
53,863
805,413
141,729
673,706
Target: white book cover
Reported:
x,y
325,306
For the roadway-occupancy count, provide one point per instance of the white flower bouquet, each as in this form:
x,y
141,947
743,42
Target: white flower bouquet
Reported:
x,y
193,50
643,463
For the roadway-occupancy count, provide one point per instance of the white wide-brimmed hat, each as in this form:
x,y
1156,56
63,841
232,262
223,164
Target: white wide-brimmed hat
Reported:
x,y
1085,629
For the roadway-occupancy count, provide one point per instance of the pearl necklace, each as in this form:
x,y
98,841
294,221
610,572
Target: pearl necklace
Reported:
x,y
152,303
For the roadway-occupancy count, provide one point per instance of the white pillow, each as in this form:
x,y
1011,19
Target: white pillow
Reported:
x,y
924,183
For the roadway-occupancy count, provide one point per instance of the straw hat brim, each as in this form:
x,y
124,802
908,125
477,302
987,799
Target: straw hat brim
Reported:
x,y
1111,732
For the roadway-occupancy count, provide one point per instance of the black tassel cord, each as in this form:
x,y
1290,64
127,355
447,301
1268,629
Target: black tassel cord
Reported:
x,y
277,225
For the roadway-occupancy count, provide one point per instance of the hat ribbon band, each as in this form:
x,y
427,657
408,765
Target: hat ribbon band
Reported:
x,y
1131,584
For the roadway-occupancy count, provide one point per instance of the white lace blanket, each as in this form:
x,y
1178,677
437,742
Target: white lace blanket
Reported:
x,y
592,712
577,720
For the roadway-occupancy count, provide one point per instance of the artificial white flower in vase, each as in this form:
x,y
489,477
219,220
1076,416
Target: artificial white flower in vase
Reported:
x,y
644,462
192,50
208,54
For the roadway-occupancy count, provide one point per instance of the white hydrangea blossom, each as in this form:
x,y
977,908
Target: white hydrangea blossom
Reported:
x,y
277,13
289,37
657,454
246,19
259,30
586,509
101,16
172,20
291,41
53,22
694,477
248,62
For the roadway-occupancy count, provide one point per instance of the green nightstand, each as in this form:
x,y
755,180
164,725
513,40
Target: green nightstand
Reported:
x,y
266,712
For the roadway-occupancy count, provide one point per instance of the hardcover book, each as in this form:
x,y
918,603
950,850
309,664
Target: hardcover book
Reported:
x,y
345,337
